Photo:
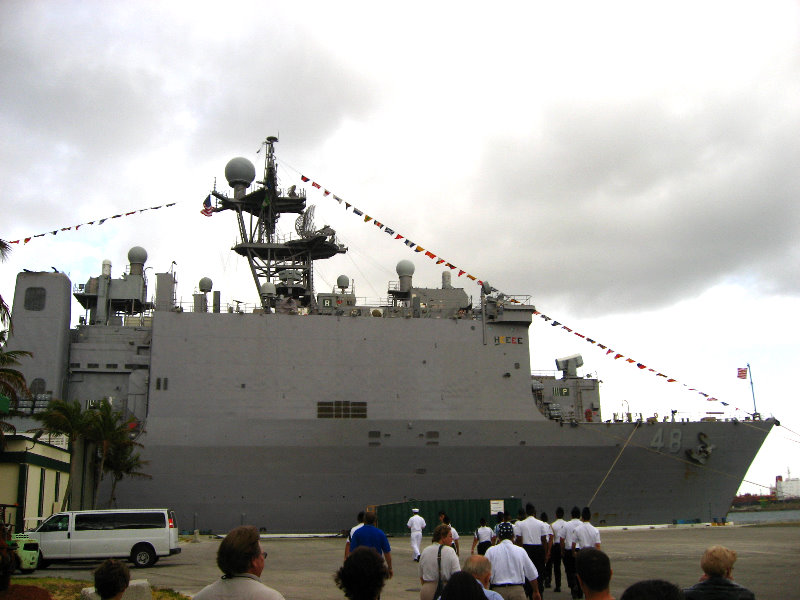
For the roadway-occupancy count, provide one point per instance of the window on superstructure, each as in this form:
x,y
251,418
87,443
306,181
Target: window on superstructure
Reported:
x,y
341,409
35,298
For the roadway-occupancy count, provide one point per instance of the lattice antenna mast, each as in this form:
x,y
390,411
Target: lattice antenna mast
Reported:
x,y
280,269
269,216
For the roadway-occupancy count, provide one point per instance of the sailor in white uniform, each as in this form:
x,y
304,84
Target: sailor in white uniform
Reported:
x,y
416,524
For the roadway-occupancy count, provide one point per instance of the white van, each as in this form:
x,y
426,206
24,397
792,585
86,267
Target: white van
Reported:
x,y
140,535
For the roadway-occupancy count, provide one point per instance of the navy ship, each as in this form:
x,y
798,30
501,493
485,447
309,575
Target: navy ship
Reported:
x,y
298,411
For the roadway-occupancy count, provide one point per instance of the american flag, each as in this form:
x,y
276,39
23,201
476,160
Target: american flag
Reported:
x,y
208,210
741,373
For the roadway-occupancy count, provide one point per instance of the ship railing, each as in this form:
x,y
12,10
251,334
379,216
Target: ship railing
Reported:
x,y
545,373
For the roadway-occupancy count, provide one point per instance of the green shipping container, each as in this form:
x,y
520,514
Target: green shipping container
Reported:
x,y
464,516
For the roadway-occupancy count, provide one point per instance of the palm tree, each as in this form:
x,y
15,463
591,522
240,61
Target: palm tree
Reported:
x,y
12,383
5,312
109,431
67,418
122,461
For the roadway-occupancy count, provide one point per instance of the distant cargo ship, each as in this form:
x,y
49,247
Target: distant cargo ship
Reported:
x,y
297,414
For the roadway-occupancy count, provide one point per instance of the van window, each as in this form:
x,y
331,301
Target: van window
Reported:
x,y
120,520
55,523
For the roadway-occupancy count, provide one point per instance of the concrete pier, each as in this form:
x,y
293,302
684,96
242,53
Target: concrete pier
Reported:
x,y
303,568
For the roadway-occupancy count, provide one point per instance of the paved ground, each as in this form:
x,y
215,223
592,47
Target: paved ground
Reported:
x,y
302,569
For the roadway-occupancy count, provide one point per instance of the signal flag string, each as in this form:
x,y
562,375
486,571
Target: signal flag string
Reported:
x,y
417,248
27,239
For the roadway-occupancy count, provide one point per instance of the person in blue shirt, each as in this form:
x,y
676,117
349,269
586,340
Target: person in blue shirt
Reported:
x,y
369,535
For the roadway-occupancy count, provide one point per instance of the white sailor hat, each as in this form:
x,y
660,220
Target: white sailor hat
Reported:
x,y
415,510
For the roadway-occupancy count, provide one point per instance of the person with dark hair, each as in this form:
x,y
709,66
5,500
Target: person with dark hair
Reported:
x,y
437,563
111,579
568,554
532,535
369,535
502,517
717,580
446,521
241,560
593,571
545,577
652,589
482,538
363,574
586,534
511,567
463,586
553,566
359,524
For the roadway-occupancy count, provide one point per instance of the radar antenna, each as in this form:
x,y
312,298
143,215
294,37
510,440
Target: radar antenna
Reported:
x,y
304,225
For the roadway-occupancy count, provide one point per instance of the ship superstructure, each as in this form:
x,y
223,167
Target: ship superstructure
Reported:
x,y
296,414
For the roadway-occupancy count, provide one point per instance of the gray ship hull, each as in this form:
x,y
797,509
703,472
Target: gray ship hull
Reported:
x,y
316,487
447,417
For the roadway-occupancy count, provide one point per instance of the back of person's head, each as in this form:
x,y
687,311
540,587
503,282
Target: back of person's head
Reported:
x,y
717,561
440,532
463,586
238,549
594,569
543,517
576,512
559,512
111,578
362,575
477,565
653,589
361,517
530,509
505,531
586,514
500,516
482,522
370,518
446,520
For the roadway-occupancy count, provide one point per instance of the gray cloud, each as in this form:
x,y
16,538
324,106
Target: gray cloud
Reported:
x,y
630,207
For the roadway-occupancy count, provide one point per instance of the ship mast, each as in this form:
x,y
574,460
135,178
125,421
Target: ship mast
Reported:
x,y
282,269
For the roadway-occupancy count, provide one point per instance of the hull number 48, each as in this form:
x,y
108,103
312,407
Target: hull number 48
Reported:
x,y
672,442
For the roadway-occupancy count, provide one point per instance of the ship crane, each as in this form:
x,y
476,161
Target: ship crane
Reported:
x,y
282,269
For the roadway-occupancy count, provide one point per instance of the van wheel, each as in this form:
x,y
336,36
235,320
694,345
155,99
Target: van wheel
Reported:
x,y
142,556
42,563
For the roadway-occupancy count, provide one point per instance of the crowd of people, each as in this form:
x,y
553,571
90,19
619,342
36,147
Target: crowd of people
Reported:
x,y
514,561
520,559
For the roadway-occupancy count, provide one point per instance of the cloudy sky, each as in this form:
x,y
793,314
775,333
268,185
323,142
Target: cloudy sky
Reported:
x,y
633,167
